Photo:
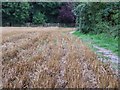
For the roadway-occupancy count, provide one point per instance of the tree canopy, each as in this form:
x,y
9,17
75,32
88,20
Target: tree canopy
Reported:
x,y
98,17
33,12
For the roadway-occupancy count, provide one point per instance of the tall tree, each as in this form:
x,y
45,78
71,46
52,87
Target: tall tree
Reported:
x,y
94,17
15,12
49,9
65,13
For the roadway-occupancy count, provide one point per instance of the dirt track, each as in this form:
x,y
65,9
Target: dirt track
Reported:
x,y
51,58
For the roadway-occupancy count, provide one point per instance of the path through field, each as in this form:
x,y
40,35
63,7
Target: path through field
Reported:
x,y
51,58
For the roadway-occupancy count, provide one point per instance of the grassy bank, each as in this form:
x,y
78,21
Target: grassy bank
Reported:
x,y
101,40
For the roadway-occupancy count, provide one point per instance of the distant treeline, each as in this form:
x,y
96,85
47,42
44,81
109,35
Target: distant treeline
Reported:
x,y
89,17
37,13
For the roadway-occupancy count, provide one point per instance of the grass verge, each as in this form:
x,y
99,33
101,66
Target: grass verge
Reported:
x,y
101,40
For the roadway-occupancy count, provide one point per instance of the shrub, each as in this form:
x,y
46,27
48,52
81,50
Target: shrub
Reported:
x,y
101,27
114,31
66,15
15,13
39,18
104,27
98,18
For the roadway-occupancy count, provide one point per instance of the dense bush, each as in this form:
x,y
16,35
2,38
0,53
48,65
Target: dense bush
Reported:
x,y
101,27
49,9
39,18
15,13
98,17
65,14
115,31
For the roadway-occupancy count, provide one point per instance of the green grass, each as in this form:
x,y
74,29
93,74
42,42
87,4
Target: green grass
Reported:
x,y
101,40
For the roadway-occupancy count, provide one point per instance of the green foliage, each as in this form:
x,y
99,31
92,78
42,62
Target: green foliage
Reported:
x,y
101,27
115,31
19,13
15,12
102,40
22,12
38,18
98,17
49,9
105,27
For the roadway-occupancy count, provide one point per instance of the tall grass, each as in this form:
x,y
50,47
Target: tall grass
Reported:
x,y
102,40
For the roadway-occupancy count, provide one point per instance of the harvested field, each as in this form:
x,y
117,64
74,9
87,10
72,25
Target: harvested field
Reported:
x,y
51,58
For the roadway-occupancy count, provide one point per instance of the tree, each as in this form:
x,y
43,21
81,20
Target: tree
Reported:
x,y
15,12
98,18
65,14
49,9
38,18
